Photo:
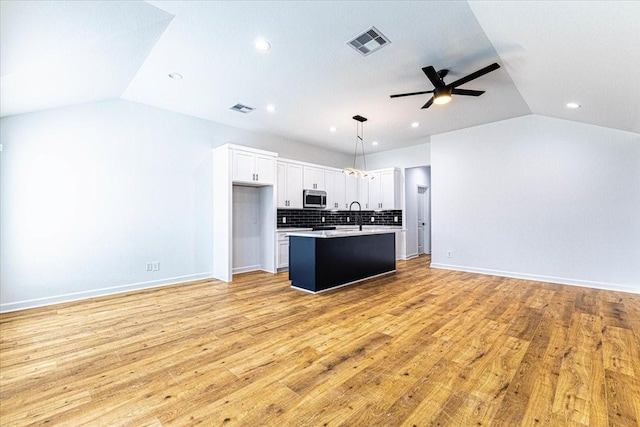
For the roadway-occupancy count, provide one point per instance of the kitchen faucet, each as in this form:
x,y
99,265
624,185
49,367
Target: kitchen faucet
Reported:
x,y
360,213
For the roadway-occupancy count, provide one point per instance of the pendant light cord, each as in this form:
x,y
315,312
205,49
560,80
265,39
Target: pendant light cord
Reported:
x,y
364,159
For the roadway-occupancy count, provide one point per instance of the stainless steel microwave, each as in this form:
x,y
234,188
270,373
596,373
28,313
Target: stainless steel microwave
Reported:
x,y
315,199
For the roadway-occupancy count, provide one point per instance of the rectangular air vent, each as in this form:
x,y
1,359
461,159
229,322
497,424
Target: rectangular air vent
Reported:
x,y
369,41
242,108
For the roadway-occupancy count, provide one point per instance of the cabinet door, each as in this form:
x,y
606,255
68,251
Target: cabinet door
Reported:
x,y
281,185
334,186
243,166
339,188
294,186
390,189
283,253
363,192
375,199
351,190
313,178
265,169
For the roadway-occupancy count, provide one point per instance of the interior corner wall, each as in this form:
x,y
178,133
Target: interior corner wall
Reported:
x,y
539,198
93,193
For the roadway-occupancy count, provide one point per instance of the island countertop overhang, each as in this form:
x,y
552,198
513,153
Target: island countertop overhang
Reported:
x,y
327,234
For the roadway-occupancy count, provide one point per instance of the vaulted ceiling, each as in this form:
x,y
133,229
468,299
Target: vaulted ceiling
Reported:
x,y
60,53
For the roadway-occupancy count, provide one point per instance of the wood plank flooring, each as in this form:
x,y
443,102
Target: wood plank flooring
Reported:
x,y
417,348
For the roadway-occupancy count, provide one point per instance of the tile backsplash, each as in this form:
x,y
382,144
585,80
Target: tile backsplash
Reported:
x,y
313,217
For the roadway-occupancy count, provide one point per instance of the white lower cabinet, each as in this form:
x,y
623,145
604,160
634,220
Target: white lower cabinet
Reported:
x,y
282,242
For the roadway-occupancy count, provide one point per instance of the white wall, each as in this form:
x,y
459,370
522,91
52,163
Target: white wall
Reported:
x,y
407,157
91,193
541,198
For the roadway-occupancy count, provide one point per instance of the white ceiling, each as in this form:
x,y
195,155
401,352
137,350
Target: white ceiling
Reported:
x,y
55,53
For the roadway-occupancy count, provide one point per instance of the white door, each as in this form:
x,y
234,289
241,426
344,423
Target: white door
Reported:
x,y
424,241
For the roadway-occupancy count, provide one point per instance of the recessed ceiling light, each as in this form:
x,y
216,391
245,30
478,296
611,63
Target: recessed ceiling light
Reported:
x,y
176,76
271,108
332,129
415,124
573,105
374,143
262,44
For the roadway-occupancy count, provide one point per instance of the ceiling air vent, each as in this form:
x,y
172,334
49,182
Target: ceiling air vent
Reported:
x,y
369,41
244,109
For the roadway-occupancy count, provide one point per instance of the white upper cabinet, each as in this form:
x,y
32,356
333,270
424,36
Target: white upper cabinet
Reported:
x,y
385,190
335,188
351,190
289,185
253,167
363,192
375,198
391,189
314,178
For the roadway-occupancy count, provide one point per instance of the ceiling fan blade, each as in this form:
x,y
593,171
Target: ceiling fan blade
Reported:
x,y
410,94
433,76
467,92
481,72
428,104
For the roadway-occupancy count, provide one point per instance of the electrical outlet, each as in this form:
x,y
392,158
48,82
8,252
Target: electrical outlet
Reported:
x,y
322,219
284,219
395,219
348,219
448,254
373,219
149,266
155,265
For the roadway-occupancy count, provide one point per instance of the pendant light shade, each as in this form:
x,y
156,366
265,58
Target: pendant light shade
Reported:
x,y
359,139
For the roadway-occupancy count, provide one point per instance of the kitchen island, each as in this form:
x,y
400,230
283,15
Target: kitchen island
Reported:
x,y
323,260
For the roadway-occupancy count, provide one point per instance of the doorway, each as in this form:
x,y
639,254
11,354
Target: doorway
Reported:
x,y
423,216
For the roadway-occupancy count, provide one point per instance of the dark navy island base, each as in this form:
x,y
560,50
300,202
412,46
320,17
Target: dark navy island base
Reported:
x,y
319,264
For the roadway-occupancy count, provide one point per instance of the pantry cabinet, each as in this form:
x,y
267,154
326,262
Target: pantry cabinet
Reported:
x,y
243,178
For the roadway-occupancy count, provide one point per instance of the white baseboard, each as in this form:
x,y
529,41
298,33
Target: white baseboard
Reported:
x,y
634,289
411,256
246,269
76,296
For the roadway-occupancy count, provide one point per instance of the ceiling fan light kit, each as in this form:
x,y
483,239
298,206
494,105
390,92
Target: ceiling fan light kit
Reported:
x,y
441,96
359,139
442,92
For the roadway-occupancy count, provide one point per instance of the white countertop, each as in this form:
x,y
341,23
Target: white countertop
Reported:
x,y
292,229
324,234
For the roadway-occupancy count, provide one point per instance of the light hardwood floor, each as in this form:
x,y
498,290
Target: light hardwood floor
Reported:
x,y
420,347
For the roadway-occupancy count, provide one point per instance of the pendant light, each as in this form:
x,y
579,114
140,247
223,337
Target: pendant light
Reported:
x,y
359,139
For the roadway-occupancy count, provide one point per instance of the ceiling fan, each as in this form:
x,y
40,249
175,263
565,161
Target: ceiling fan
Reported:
x,y
442,92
